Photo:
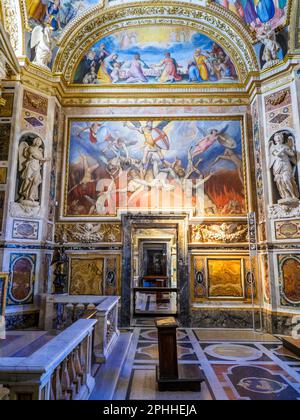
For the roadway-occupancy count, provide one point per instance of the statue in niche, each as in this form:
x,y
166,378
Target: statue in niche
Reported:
x,y
42,43
267,37
31,159
283,162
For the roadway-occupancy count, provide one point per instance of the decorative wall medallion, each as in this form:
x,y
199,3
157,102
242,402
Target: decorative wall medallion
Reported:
x,y
223,233
89,232
35,103
22,267
33,122
288,230
25,230
289,271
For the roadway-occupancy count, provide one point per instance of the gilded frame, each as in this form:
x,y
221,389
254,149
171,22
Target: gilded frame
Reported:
x,y
94,256
241,279
117,216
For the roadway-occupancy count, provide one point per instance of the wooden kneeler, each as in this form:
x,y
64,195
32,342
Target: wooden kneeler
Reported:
x,y
170,375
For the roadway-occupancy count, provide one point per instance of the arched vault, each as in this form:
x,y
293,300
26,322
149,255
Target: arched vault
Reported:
x,y
220,25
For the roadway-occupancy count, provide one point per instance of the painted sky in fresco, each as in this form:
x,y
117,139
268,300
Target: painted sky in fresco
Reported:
x,y
155,55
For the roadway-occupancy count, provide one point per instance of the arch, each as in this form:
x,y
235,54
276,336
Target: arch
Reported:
x,y
225,29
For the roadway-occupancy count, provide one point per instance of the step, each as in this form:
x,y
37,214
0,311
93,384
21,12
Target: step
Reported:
x,y
291,344
108,375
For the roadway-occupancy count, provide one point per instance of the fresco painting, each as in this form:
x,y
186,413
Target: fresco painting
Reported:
x,y
195,165
154,56
57,13
257,13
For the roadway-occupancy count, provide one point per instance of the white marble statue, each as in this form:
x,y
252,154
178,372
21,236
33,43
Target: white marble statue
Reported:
x,y
283,161
31,159
267,37
43,43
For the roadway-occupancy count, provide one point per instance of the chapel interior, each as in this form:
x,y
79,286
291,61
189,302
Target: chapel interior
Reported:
x,y
149,200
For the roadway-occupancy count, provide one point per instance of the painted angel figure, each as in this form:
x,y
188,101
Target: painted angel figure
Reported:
x,y
31,158
283,161
156,140
93,129
42,43
213,136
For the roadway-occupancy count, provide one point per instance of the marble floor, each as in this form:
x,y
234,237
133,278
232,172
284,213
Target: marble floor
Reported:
x,y
237,365
146,303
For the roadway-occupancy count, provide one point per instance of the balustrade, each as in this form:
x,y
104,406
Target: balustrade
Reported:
x,y
61,370
63,310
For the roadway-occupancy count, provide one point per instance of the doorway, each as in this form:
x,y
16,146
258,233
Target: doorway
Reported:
x,y
155,268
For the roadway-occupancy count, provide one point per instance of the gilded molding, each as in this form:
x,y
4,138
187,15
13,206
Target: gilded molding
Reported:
x,y
143,101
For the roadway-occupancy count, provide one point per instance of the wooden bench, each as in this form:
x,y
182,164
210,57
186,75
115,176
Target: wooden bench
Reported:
x,y
291,344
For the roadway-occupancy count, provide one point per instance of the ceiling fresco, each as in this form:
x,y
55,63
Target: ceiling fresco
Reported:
x,y
256,13
151,55
57,13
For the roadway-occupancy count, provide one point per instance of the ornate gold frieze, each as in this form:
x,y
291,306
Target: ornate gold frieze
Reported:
x,y
88,232
144,101
219,233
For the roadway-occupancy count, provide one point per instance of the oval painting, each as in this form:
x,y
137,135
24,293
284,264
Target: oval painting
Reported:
x,y
21,285
291,279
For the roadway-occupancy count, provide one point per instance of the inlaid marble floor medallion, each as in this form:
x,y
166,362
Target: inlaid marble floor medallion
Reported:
x,y
233,352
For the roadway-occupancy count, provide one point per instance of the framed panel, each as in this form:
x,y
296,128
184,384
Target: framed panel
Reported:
x,y
94,275
226,278
195,165
21,285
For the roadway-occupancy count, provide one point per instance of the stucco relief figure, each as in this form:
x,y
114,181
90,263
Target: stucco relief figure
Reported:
x,y
31,159
267,37
283,161
42,43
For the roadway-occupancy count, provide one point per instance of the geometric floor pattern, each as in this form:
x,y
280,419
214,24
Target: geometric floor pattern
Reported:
x,y
236,365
